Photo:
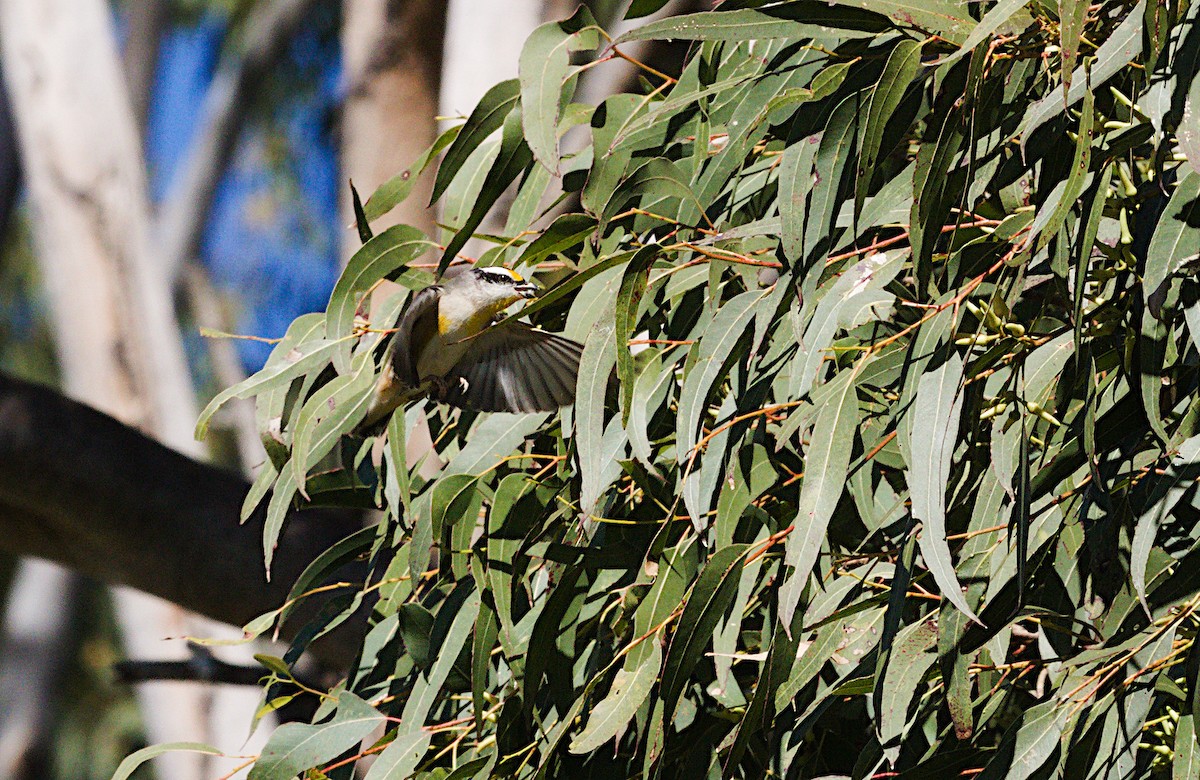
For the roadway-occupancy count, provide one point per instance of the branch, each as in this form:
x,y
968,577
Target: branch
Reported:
x,y
185,210
81,489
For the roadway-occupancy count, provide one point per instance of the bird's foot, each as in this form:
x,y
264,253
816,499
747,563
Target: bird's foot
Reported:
x,y
443,388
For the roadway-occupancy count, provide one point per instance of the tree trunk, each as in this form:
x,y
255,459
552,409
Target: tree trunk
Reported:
x,y
392,55
118,340
145,22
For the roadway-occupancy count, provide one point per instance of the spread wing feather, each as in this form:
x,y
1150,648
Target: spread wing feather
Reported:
x,y
515,368
416,325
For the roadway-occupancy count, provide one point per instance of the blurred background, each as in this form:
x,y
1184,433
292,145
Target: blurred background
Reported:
x,y
168,165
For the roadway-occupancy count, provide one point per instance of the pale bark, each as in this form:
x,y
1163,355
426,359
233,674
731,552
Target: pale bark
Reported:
x,y
118,340
483,44
37,617
392,57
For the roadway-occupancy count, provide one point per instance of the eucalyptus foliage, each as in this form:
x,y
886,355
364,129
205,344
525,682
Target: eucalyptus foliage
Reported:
x,y
898,474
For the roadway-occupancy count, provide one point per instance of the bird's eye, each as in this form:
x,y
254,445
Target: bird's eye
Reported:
x,y
495,277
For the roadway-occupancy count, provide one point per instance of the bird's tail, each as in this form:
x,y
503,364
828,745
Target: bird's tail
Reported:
x,y
388,396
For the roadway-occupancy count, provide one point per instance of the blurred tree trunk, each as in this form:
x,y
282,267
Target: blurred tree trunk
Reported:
x,y
146,21
483,46
392,55
37,627
118,341
10,161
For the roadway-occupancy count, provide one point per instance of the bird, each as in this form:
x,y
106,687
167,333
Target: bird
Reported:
x,y
446,345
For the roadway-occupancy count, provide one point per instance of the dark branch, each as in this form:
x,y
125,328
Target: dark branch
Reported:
x,y
10,161
81,489
201,666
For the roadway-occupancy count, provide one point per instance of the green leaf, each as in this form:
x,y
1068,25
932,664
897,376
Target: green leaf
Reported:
x,y
295,747
567,231
1176,240
360,216
736,25
396,190
654,180
833,154
710,597
1028,744
399,759
452,494
1124,44
913,653
137,758
488,117
277,509
625,317
514,156
573,283
795,182
595,366
379,258
938,409
825,465
492,440
1065,195
306,358
949,19
749,477
902,66
425,691
544,63
328,415
997,18
1072,15
714,349
612,714
653,384
675,570
327,564
1187,753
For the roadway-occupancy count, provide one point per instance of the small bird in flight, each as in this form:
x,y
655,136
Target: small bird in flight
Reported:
x,y
446,346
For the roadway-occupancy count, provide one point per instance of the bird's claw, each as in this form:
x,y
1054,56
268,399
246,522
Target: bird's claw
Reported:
x,y
443,388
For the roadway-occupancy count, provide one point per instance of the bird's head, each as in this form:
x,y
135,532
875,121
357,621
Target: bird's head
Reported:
x,y
500,287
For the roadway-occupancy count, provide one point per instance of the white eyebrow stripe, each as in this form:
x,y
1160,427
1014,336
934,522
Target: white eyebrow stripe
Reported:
x,y
498,273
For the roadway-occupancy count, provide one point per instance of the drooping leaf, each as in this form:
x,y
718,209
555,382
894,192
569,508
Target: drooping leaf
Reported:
x,y
396,190
714,349
899,72
544,64
825,466
629,298
134,760
629,691
1176,240
487,118
938,409
295,747
710,597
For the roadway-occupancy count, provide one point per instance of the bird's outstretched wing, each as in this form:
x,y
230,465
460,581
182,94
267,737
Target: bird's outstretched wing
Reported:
x,y
397,381
515,368
416,326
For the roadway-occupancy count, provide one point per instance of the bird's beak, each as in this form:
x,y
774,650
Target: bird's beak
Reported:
x,y
527,290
